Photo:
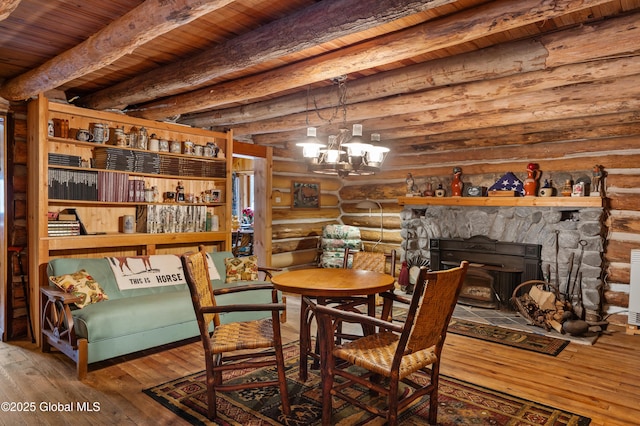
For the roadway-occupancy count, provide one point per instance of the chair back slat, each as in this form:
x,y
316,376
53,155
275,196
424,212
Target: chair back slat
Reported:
x,y
436,307
196,271
370,261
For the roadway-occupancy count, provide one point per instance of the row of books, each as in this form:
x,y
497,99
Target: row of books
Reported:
x,y
126,160
60,228
171,218
181,166
57,159
89,185
73,184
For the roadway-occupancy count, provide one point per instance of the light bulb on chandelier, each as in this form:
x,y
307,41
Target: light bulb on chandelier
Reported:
x,y
346,153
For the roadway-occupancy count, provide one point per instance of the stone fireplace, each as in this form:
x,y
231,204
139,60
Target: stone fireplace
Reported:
x,y
573,236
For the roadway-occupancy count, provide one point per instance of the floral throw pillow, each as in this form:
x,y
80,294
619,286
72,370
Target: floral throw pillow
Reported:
x,y
241,268
81,284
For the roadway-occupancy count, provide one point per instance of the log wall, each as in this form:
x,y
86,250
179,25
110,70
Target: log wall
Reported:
x,y
559,160
16,218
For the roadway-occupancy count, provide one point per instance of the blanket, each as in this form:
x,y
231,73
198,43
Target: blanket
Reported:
x,y
152,271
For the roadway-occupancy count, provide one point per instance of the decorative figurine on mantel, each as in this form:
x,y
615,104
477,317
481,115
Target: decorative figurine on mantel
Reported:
x,y
440,192
411,185
428,190
597,181
567,189
457,184
547,189
531,182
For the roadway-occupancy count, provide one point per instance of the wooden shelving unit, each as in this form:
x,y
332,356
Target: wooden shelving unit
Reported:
x,y
102,218
503,201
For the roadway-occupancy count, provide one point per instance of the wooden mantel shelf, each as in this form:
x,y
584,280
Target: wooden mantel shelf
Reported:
x,y
503,201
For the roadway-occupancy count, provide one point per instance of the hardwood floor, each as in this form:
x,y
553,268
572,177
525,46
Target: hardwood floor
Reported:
x,y
600,381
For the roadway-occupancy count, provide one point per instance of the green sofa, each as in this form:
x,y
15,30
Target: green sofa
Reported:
x,y
130,320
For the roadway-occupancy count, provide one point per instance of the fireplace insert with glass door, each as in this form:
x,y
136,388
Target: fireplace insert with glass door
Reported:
x,y
496,268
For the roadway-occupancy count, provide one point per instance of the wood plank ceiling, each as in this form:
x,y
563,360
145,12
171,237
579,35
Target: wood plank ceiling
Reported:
x,y
427,75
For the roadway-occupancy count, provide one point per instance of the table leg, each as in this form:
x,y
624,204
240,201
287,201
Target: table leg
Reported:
x,y
304,338
371,311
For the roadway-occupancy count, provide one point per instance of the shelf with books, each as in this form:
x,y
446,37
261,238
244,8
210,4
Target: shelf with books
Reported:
x,y
104,182
112,239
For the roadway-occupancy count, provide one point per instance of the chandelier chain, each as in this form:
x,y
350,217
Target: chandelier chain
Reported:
x,y
341,88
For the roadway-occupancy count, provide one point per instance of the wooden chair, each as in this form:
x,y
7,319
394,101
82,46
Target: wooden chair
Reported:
x,y
369,261
249,337
395,352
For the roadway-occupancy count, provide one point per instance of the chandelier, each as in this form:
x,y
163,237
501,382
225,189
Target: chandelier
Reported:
x,y
345,153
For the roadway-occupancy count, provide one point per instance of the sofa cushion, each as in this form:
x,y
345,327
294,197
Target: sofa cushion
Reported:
x,y
101,271
126,316
241,268
130,315
218,258
81,284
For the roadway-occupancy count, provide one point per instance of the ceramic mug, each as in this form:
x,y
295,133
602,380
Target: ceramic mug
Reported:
x,y
188,148
99,132
154,144
128,224
84,135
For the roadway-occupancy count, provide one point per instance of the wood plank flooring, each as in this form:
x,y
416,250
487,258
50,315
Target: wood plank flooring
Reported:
x,y
600,381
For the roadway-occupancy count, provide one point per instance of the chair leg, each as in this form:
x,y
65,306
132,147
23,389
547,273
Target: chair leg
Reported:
x,y
327,362
282,379
327,406
211,396
392,413
433,395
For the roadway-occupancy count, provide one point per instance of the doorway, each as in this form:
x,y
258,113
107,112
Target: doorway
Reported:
x,y
257,184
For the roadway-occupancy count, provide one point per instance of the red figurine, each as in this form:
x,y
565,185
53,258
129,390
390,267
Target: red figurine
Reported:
x,y
531,182
457,184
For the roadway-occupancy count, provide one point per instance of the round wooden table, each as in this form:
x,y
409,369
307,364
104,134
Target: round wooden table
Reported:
x,y
329,284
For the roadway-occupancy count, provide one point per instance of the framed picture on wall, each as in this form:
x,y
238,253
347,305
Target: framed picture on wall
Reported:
x,y
305,195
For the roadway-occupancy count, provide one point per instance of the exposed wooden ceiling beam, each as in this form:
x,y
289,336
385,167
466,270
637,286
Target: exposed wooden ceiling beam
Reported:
x,y
6,7
492,18
489,63
615,96
147,21
603,126
496,61
460,95
301,30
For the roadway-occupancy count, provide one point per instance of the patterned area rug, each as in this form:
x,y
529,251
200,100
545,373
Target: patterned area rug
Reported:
x,y
460,403
505,336
517,339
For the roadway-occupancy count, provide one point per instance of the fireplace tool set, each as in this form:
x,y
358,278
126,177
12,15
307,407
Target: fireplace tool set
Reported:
x,y
546,306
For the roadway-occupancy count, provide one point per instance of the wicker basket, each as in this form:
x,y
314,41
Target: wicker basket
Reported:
x,y
516,299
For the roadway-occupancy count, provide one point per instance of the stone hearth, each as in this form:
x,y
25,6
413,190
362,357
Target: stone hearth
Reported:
x,y
530,225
